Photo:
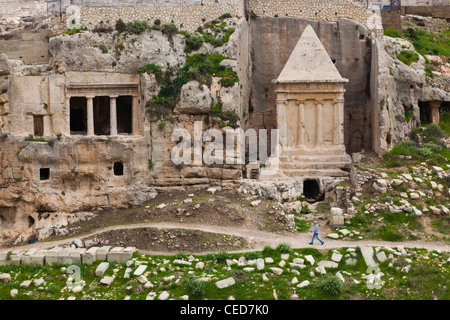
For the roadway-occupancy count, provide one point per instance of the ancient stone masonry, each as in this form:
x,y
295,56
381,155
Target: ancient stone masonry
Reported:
x,y
310,111
331,10
187,17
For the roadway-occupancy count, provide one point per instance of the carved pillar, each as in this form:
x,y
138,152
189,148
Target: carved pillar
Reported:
x,y
338,113
90,115
113,114
434,108
319,123
301,119
282,124
136,116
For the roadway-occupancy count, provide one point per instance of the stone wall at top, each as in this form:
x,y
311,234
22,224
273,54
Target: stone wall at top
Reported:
x,y
189,17
331,10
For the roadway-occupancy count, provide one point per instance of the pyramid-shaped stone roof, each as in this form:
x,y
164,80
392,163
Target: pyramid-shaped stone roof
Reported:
x,y
309,62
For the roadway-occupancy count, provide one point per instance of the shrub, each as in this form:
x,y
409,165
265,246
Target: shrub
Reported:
x,y
196,287
103,48
161,125
284,248
121,26
251,255
330,285
193,43
169,30
434,130
138,26
152,68
222,256
225,15
150,164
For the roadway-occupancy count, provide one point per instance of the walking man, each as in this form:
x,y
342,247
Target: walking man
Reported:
x,y
315,233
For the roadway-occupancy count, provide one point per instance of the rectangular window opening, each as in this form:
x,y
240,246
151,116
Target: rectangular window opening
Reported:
x,y
44,174
118,168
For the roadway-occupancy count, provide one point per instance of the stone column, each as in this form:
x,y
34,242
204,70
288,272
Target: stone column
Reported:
x,y
90,115
135,109
301,129
434,109
338,137
319,124
113,115
282,125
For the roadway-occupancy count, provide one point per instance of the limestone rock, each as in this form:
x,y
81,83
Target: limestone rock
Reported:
x,y
310,259
5,68
303,284
225,283
195,98
102,267
164,295
276,271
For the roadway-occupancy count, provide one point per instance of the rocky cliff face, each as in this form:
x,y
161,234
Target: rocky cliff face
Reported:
x,y
47,182
399,88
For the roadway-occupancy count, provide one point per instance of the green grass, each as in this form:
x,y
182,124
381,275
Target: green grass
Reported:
x,y
407,57
427,43
444,123
424,279
391,33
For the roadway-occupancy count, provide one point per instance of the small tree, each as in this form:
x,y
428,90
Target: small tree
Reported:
x,y
330,285
121,26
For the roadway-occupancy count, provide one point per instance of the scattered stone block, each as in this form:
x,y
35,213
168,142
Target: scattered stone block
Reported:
x,y
140,270
381,256
5,277
310,259
164,295
277,271
107,280
303,284
328,264
102,267
260,264
367,253
336,257
225,283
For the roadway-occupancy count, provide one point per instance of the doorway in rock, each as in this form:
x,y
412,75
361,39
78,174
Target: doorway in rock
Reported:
x,y
311,191
425,113
101,116
78,115
125,114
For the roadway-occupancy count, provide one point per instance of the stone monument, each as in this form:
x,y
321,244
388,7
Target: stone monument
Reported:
x,y
310,112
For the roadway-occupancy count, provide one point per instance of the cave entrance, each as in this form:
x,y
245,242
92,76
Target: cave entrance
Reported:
x,y
101,115
425,113
78,115
125,114
311,191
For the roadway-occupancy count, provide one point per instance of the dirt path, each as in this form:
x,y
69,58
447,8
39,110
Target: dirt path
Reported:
x,y
257,239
